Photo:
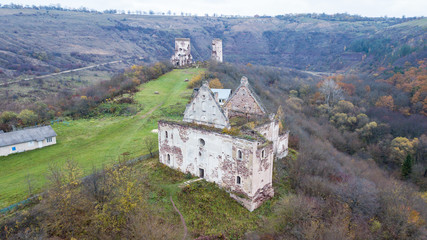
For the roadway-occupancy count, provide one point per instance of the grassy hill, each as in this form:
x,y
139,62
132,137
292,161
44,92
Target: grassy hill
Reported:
x,y
94,142
40,41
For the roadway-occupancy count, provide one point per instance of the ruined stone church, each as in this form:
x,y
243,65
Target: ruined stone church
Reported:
x,y
234,145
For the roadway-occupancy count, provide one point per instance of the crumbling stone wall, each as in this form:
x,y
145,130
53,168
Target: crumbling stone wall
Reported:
x,y
182,55
222,157
243,102
241,165
217,50
282,145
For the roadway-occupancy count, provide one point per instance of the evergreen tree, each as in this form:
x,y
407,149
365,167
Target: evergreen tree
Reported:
x,y
407,167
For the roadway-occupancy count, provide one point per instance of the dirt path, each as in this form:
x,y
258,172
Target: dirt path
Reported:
x,y
59,73
182,219
151,111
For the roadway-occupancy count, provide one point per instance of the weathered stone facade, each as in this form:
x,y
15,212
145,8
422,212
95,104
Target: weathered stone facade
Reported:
x,y
217,50
182,55
204,109
241,163
244,102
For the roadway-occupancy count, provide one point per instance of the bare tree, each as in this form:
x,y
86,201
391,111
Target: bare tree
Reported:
x,y
332,92
150,144
30,183
55,175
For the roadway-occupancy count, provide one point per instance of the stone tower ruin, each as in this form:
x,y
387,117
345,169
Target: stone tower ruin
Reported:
x,y
217,50
182,55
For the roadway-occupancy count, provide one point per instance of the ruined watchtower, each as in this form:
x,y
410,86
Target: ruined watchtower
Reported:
x,y
182,55
217,50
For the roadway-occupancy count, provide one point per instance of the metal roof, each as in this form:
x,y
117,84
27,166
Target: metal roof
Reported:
x,y
222,93
26,135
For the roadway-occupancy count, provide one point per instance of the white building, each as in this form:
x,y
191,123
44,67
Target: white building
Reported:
x,y
221,95
238,158
26,140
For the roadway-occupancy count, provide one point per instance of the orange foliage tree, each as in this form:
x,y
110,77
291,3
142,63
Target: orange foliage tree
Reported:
x,y
215,83
386,102
414,81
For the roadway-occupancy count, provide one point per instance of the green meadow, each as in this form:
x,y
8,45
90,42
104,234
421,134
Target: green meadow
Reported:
x,y
97,141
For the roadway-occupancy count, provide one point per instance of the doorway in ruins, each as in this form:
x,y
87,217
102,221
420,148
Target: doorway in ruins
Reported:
x,y
201,173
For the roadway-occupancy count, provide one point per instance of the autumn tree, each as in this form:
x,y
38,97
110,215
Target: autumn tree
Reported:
x,y
8,117
400,147
344,107
280,116
385,102
367,131
27,117
215,83
196,80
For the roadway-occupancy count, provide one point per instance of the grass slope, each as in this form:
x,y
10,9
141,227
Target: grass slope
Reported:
x,y
208,210
94,142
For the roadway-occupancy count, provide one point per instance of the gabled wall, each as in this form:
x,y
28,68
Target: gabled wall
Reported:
x,y
243,102
204,109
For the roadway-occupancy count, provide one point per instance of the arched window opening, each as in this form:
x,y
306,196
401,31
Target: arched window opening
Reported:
x,y
263,154
169,159
166,134
201,142
238,180
204,106
239,155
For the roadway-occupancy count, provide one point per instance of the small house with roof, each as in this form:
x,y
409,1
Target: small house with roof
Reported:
x,y
233,145
26,139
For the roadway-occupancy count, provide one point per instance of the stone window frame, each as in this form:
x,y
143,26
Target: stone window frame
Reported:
x,y
239,154
168,158
238,180
203,106
263,155
202,142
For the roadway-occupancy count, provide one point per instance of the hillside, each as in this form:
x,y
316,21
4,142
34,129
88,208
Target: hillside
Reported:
x,y
330,186
40,41
98,141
